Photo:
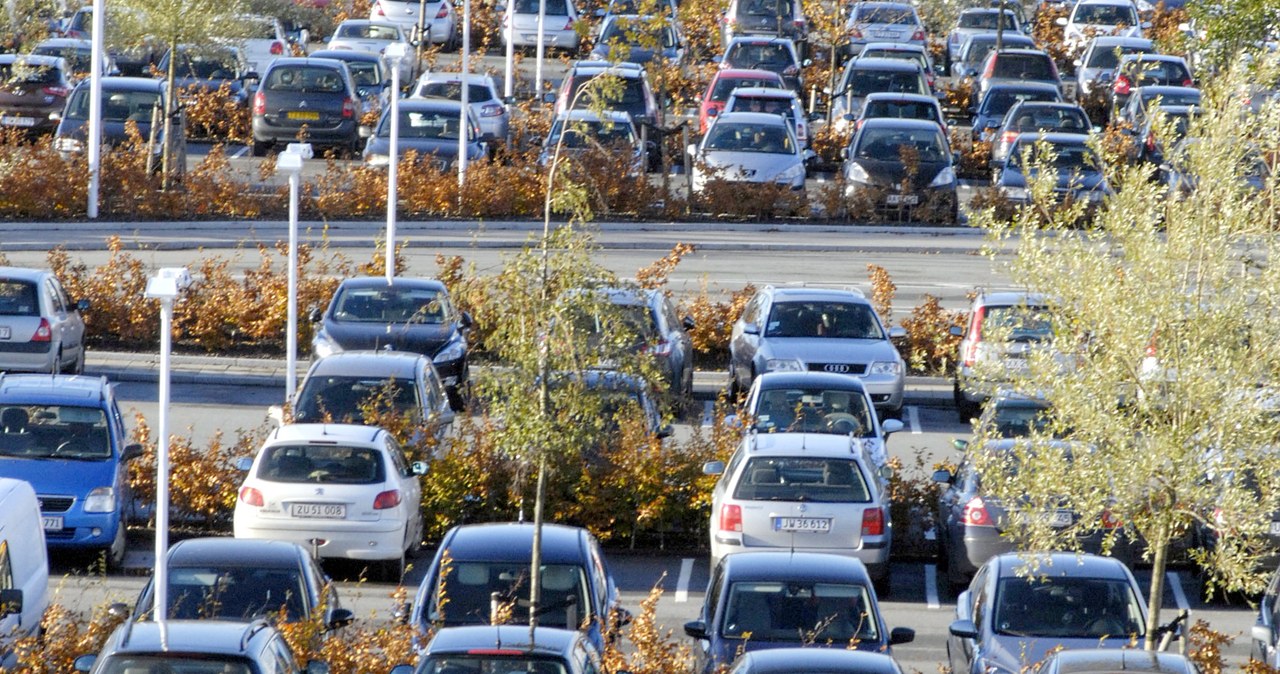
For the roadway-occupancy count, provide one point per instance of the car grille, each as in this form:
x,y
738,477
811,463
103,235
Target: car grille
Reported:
x,y
55,504
59,534
840,368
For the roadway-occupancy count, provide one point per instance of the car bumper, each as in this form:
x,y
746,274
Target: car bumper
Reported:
x,y
874,553
82,531
365,541
560,39
28,357
344,133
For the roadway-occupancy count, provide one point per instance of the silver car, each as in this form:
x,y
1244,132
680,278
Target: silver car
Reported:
x,y
975,20
482,97
372,37
883,22
803,492
1096,67
40,327
748,147
1022,323
559,17
440,18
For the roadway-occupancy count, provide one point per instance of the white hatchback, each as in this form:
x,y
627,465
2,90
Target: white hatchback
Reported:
x,y
345,490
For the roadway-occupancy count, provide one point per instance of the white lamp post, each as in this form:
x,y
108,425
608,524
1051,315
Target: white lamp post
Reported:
x,y
95,105
394,53
509,81
464,127
290,163
542,47
165,286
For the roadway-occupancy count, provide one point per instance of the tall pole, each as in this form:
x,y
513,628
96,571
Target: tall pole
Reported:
x,y
161,609
464,127
509,81
395,52
95,105
291,339
542,47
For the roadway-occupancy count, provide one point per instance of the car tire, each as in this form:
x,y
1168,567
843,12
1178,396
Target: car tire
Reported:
x,y
392,570
115,552
882,586
895,413
965,409
261,147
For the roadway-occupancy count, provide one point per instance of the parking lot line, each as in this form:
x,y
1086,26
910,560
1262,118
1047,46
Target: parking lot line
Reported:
x,y
913,418
931,586
240,153
1175,584
682,581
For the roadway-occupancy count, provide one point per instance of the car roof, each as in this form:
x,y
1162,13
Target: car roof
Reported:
x,y
546,640
513,542
324,433
985,10
883,63
785,565
117,83
895,96
752,118
23,273
1119,41
1156,89
219,637
811,445
1153,57
788,660
895,46
1021,86
397,282
429,103
1008,37
38,60
471,78
900,123
1114,660
369,22
1060,565
772,380
802,293
622,69
222,551
380,363
759,39
881,3
1014,298
346,55
580,115
282,61
62,389
1020,51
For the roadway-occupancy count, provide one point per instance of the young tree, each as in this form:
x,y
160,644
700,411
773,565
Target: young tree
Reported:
x,y
1166,351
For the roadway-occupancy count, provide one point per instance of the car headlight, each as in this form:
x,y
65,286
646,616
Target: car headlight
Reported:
x,y
101,500
945,177
1096,196
451,351
792,174
322,346
783,365
377,159
1016,193
856,173
891,367
68,145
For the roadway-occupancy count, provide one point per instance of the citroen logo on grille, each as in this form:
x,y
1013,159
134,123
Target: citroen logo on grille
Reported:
x,y
841,368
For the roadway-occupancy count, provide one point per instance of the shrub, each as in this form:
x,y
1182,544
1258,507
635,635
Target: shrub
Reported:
x,y
930,347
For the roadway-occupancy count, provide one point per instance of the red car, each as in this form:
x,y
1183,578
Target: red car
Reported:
x,y
723,84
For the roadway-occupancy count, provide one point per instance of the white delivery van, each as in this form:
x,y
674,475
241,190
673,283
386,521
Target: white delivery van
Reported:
x,y
24,567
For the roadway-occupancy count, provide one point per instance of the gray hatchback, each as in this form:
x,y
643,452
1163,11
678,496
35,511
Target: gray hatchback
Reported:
x,y
309,97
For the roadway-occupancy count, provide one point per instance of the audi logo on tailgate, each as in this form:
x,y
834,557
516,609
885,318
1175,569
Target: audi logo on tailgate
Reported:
x,y
841,368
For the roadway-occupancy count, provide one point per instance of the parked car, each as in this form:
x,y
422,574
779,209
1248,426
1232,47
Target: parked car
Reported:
x,y
1096,66
631,94
78,55
24,574
373,37
483,98
132,61
779,18
619,396
124,100
903,167
748,147
408,314
1145,100
1265,636
647,7
879,21
723,82
1078,168
479,560
196,646
430,127
1152,139
865,76
783,102
348,491
342,386
990,110
639,39
906,51
439,16
901,106
580,134
977,20
1018,66
975,49
776,54
651,317
559,17
1099,17
235,579
1144,70
758,601
311,92
1034,117
1100,661
370,77
34,91
262,40
1023,323
1013,616
207,70
506,648
828,660
65,435
40,326
784,329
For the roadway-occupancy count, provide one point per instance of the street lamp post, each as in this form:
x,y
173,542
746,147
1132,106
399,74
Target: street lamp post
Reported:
x,y
394,53
509,78
290,163
464,126
96,65
165,286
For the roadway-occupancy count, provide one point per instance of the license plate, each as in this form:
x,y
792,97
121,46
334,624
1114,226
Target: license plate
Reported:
x,y
1275,528
304,115
1059,519
814,524
4,332
324,511
52,523
18,121
884,34
899,199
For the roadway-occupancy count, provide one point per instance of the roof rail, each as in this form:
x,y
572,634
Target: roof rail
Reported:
x,y
128,632
805,284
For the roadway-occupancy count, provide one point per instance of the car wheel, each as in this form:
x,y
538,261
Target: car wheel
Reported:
x,y
119,545
882,586
260,147
57,367
77,366
393,569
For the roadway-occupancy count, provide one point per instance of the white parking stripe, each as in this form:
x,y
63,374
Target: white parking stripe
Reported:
x,y
682,582
913,418
708,409
931,586
1175,584
240,153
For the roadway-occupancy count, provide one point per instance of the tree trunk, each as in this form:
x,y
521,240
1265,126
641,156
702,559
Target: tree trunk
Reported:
x,y
1159,562
171,77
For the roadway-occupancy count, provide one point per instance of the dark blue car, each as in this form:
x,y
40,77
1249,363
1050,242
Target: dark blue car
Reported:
x,y
124,100
65,435
765,600
512,648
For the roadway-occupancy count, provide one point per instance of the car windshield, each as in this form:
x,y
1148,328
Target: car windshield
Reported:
x,y
980,47
1074,158
305,79
490,664
744,137
1159,72
1067,608
390,305
452,90
814,410
469,586
800,611
901,110
352,399
553,7
885,15
425,124
986,20
1019,420
1105,15
637,32
235,593
832,320
770,104
766,8
54,431
593,133
1017,323
816,480
1109,58
19,73
998,101
321,464
725,86
1024,67
759,55
1165,98
863,81
368,31
1070,120
891,144
117,106
178,664
365,73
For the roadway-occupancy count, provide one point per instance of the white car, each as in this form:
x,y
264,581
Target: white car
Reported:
x,y
263,42
348,487
804,492
1091,18
784,102
482,97
372,37
559,17
441,18
748,147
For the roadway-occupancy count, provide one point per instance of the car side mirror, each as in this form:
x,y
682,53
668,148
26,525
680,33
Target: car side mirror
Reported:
x,y
696,629
244,463
965,629
751,329
717,59
1261,633
314,315
713,112
692,150
10,601
901,635
251,76
664,431
897,332
83,305
956,331
465,319
549,97
56,116
713,468
844,153
1146,25
400,615
339,618
688,323
131,451
1104,78
890,426
1060,21
118,610
960,444
317,667
84,663
362,92
418,468
1077,63
621,618
943,476
806,63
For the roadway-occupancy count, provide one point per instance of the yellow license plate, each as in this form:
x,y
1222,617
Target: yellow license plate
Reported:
x,y
304,115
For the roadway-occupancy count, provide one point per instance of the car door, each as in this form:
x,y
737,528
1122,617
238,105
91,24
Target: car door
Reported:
x,y
72,327
951,502
970,605
410,487
710,618
745,340
440,415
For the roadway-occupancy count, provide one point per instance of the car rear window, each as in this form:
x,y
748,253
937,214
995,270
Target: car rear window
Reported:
x,y
797,610
469,586
366,31
322,464
21,73
1069,120
863,81
236,593
118,106
305,79
998,101
1105,15
985,20
887,15
336,399
1024,67
491,664
1108,58
18,298
553,7
759,55
768,104
206,664
901,110
365,73
813,480
79,60
476,93
592,134
725,86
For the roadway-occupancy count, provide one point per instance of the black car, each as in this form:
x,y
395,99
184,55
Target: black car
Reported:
x,y
488,650
33,91
1100,661
990,110
1077,169
1150,141
239,579
124,100
197,647
479,560
903,167
407,314
316,93
430,127
651,318
824,660
1145,100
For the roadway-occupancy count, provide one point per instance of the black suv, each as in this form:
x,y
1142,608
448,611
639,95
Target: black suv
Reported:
x,y
197,647
318,94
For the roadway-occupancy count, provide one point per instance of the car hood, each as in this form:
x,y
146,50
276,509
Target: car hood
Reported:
x,y
415,338
729,649
828,350
892,173
758,166
60,476
1013,654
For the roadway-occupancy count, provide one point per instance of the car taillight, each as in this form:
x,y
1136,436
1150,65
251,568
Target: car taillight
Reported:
x,y
1151,347
56,91
730,517
975,333
44,332
917,36
568,25
873,522
251,496
349,107
728,21
491,110
855,33
1122,85
377,9
1186,82
387,499
1151,142
975,513
990,70
1008,137
443,13
277,48
1110,521
800,24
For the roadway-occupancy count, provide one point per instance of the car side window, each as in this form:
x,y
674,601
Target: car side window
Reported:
x,y
397,458
55,297
599,578
714,590
751,314
734,462
978,596
282,656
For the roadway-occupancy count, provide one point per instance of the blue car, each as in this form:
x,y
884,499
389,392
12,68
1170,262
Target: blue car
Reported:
x,y
65,435
509,648
766,600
